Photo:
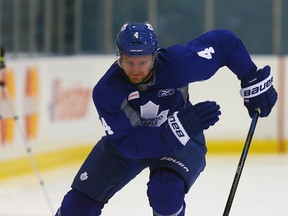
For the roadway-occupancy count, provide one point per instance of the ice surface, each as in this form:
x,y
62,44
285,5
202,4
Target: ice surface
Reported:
x,y
262,190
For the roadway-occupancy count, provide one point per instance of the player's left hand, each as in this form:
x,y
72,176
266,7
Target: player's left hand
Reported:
x,y
258,92
190,122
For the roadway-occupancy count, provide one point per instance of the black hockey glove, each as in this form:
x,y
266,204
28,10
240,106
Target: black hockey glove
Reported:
x,y
258,92
189,122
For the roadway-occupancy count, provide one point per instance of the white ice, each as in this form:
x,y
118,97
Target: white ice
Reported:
x,y
262,190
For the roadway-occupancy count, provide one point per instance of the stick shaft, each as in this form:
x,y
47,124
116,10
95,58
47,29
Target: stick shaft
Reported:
x,y
241,164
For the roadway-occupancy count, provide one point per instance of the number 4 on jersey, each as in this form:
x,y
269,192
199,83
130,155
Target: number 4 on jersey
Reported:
x,y
106,127
206,53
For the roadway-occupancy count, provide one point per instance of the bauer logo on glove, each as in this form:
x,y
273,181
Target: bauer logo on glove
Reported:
x,y
177,129
257,89
189,122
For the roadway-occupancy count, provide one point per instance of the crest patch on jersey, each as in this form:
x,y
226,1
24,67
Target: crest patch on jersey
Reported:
x,y
133,95
150,116
166,92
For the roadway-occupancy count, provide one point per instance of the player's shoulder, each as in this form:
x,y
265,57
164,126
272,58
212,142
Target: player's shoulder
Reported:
x,y
217,36
221,32
172,54
212,37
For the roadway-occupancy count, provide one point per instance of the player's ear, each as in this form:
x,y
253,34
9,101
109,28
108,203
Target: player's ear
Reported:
x,y
155,59
119,61
119,57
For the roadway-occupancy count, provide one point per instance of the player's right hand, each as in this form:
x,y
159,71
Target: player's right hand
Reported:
x,y
258,92
191,121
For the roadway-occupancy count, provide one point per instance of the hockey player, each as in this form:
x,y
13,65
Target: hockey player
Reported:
x,y
143,104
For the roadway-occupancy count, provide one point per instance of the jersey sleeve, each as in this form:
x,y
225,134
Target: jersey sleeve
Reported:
x,y
232,52
123,128
202,57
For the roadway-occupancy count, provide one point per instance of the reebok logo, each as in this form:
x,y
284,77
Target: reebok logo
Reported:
x,y
166,92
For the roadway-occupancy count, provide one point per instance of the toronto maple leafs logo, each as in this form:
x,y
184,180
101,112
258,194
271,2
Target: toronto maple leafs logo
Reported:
x,y
150,116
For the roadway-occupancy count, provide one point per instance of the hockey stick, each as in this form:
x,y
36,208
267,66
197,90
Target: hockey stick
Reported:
x,y
241,163
28,149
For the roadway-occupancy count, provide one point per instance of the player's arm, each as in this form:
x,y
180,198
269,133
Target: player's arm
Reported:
x,y
219,48
257,84
202,57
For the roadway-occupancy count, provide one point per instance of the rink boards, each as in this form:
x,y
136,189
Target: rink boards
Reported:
x,y
51,98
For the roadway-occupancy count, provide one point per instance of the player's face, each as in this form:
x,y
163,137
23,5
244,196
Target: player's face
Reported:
x,y
137,68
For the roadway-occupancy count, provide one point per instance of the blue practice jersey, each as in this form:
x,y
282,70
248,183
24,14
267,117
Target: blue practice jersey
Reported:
x,y
134,116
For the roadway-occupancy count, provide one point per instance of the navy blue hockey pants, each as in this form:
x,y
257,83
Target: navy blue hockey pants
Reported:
x,y
105,171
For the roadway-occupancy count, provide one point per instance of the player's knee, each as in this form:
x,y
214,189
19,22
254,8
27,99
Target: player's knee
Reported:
x,y
166,192
77,204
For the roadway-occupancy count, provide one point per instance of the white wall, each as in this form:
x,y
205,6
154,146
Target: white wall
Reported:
x,y
64,114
